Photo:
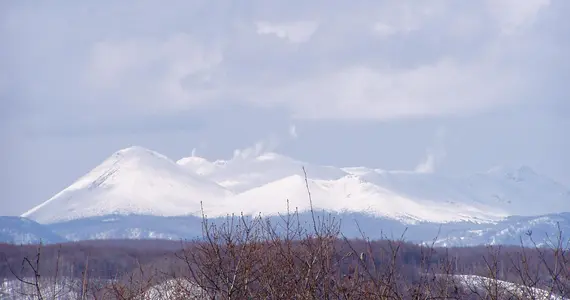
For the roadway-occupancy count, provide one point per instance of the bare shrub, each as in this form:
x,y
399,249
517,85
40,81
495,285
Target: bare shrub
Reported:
x,y
256,258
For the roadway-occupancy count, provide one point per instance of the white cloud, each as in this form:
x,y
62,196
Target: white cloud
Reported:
x,y
153,70
427,166
294,32
269,144
378,60
515,15
260,147
293,131
362,92
435,154
384,29
402,19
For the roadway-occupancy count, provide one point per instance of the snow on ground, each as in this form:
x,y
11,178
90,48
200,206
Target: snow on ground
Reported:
x,y
505,289
174,289
63,288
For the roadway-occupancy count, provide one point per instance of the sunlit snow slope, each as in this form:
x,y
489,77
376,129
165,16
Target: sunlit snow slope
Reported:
x,y
132,181
140,181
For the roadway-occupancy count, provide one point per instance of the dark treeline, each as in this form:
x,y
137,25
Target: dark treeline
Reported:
x,y
109,259
106,258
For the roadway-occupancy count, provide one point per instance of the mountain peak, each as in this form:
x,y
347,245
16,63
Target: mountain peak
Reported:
x,y
138,152
133,180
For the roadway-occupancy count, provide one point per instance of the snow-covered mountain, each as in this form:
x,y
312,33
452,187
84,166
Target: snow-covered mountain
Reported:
x,y
132,181
545,230
142,182
502,190
518,190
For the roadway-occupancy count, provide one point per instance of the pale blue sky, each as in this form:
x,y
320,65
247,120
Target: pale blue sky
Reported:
x,y
369,82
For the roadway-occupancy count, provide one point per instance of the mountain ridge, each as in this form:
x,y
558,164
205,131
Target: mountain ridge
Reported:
x,y
137,180
19,230
511,231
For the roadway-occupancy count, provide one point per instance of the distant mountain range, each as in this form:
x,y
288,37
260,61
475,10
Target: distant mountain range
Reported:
x,y
511,231
17,230
139,193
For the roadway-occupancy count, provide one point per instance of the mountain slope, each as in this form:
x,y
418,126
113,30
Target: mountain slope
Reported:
x,y
544,230
132,181
17,230
353,194
518,191
489,193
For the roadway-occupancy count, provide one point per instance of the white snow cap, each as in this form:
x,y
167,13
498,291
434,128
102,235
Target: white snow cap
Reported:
x,y
137,180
